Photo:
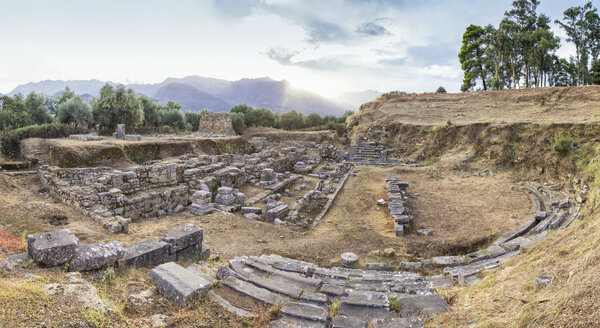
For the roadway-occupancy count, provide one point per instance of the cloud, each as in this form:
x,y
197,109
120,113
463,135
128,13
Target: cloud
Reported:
x,y
284,57
433,53
373,28
325,32
395,61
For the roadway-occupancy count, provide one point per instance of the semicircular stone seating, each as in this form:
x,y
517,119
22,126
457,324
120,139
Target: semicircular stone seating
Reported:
x,y
305,291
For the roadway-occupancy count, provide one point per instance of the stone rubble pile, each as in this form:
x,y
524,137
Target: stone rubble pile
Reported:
x,y
87,137
397,200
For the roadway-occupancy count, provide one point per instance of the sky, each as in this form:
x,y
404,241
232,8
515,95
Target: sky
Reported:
x,y
324,46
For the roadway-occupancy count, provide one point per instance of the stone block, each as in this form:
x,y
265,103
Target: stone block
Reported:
x,y
96,256
306,311
52,248
278,212
423,306
177,284
447,261
184,237
150,252
254,210
202,209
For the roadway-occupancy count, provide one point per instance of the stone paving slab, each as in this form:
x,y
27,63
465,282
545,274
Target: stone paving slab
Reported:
x,y
306,311
367,299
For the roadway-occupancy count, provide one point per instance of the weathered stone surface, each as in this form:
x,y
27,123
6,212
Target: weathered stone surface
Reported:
x,y
495,251
150,252
423,305
367,298
475,257
410,266
202,209
14,261
397,323
333,290
184,237
177,284
278,212
254,210
52,248
342,321
386,266
276,286
518,231
251,216
542,281
349,259
251,290
306,311
292,322
96,256
218,123
78,291
447,261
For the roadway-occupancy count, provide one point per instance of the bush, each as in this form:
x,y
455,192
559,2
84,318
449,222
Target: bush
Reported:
x,y
193,118
11,140
440,89
562,143
238,122
75,111
291,120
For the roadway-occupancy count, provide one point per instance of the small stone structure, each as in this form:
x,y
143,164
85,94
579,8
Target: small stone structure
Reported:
x,y
120,134
217,124
397,201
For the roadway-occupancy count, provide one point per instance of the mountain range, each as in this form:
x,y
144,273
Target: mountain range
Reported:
x,y
195,93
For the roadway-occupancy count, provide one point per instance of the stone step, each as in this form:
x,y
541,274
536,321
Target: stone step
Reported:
x,y
426,306
306,311
367,299
293,322
253,291
150,252
228,306
177,284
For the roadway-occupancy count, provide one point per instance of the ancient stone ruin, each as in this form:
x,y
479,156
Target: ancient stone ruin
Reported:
x,y
217,125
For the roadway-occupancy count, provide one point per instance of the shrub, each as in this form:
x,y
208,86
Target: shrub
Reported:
x,y
238,122
440,89
11,140
75,111
562,143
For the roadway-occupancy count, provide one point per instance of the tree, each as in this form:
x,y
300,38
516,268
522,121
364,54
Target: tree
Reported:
x,y
440,89
35,105
117,106
260,117
12,112
66,95
242,108
75,111
578,30
152,118
313,120
595,78
193,118
291,120
344,117
238,123
471,57
171,115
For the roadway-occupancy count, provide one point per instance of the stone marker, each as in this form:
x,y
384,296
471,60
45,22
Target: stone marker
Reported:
x,y
177,284
349,259
52,248
120,131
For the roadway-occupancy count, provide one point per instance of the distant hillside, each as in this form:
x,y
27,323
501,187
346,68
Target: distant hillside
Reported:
x,y
196,93
355,99
190,98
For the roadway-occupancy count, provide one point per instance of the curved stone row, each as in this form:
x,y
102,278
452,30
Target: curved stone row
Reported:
x,y
306,291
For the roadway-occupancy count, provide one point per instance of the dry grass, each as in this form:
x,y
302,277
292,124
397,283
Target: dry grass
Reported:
x,y
506,297
542,105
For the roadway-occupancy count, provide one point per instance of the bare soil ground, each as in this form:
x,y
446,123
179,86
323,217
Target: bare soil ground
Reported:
x,y
463,211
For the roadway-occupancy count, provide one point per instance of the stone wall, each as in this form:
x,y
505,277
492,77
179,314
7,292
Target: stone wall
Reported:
x,y
219,123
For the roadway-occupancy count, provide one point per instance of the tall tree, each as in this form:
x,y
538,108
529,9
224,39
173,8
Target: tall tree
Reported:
x,y
471,57
115,106
577,29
